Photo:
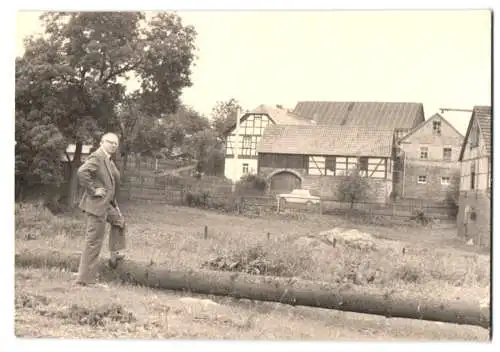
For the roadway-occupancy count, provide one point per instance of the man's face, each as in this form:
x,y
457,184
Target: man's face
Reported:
x,y
110,144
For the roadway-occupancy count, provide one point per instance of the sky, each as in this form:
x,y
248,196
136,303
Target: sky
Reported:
x,y
439,58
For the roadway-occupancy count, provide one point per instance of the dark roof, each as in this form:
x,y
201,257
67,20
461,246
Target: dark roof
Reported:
x,y
482,114
278,116
326,140
435,116
379,114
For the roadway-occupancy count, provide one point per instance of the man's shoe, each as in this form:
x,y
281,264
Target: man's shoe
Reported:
x,y
115,259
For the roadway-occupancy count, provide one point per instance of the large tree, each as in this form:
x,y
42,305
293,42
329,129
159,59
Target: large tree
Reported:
x,y
74,75
224,115
142,134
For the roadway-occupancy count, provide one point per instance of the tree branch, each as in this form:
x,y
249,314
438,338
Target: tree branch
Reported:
x,y
124,69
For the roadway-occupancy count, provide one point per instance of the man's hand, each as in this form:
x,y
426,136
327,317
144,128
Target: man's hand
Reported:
x,y
100,192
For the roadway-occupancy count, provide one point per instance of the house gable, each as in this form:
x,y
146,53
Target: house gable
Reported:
x,y
275,115
427,128
480,123
435,138
252,127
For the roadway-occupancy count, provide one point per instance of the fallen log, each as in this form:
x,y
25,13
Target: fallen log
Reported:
x,y
290,291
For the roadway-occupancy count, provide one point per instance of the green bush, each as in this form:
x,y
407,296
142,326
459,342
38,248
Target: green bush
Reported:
x,y
252,184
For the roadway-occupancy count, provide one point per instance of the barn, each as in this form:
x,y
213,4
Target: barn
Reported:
x,y
316,157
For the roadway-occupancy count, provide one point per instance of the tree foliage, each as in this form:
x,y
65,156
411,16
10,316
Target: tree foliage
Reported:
x,y
208,149
224,115
353,188
72,78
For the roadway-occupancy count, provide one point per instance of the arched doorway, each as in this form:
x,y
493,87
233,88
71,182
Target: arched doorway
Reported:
x,y
284,181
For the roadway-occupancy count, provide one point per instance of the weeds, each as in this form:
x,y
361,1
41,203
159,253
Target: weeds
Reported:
x,y
99,316
258,260
34,220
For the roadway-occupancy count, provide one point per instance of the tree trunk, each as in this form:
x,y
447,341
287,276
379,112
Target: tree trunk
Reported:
x,y
123,166
265,288
72,192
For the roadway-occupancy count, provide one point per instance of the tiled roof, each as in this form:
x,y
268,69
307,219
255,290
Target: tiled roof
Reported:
x,y
483,116
377,114
279,116
327,140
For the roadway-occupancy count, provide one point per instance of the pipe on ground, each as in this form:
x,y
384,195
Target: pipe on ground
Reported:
x,y
264,288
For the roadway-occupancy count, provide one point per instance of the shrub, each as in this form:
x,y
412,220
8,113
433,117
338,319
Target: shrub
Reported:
x,y
252,184
420,217
197,199
353,188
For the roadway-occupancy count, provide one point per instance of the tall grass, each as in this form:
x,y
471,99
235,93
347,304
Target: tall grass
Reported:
x,y
174,236
34,220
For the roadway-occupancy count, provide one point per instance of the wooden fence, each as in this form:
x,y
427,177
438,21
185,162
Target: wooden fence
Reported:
x,y
218,193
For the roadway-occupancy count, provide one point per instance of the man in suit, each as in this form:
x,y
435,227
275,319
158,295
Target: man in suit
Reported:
x,y
101,180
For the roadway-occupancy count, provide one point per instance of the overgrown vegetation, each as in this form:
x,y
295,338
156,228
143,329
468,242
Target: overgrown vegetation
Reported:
x,y
262,260
34,220
96,317
290,247
252,184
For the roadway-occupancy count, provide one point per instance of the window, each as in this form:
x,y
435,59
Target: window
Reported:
x,y
472,215
436,127
245,169
445,180
424,152
422,179
472,176
330,166
447,154
363,166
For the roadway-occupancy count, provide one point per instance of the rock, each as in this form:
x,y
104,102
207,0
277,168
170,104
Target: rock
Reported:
x,y
349,237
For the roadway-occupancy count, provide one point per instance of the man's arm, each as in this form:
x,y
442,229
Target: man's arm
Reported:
x,y
86,174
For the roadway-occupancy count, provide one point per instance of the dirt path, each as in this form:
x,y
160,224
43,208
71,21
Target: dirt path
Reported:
x,y
48,305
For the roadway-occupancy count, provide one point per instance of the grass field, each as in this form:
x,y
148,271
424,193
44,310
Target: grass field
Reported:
x,y
434,264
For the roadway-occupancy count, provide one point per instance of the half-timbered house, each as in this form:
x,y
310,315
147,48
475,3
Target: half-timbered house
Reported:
x,y
241,144
316,157
474,212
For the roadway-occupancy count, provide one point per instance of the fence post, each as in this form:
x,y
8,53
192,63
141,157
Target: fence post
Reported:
x,y
129,189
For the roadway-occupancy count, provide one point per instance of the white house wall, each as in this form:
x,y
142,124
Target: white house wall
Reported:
x,y
477,158
233,169
245,144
